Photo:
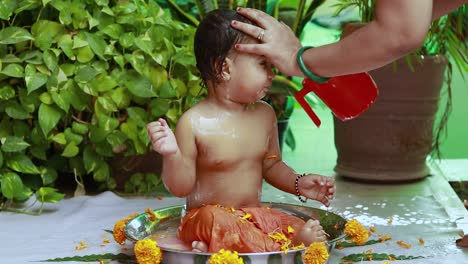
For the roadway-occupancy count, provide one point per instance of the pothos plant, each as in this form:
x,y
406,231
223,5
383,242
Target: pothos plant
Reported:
x,y
79,80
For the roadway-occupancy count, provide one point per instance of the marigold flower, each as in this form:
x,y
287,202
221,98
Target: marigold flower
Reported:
x,y
316,253
383,238
119,232
119,229
82,246
148,252
421,241
356,232
247,216
372,229
281,238
402,244
225,257
290,230
152,217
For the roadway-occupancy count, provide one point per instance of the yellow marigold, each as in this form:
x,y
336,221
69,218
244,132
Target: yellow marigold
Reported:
x,y
316,253
356,232
148,252
225,257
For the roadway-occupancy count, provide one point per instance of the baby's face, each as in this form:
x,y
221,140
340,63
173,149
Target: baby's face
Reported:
x,y
252,76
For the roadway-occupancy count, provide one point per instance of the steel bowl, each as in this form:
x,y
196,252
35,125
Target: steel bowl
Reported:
x,y
164,230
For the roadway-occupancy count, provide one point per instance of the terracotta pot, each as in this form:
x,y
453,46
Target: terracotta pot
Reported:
x,y
391,141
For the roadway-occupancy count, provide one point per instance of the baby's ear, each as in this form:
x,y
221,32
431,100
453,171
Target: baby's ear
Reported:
x,y
226,69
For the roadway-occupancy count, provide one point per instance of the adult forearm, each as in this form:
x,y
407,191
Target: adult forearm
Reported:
x,y
399,27
178,177
366,49
442,7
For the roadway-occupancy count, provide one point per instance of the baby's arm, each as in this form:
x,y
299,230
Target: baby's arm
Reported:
x,y
279,174
179,154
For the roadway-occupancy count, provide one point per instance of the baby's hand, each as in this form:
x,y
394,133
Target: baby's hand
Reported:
x,y
316,187
162,137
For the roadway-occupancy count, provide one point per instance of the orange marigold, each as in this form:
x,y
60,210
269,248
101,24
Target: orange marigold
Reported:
x,y
148,252
119,232
316,253
356,232
119,229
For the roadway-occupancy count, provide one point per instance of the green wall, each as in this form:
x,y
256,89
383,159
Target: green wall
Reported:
x,y
455,145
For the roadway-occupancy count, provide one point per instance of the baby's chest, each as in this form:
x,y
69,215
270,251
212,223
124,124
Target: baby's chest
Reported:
x,y
231,149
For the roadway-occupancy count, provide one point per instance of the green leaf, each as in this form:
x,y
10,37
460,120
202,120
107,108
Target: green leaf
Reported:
x,y
79,128
70,150
90,159
85,74
7,92
6,8
14,70
35,80
137,59
84,54
13,144
107,104
1,159
121,97
12,35
97,44
127,39
48,195
102,172
159,107
44,33
16,111
65,43
72,137
49,115
139,85
138,115
11,185
103,83
50,60
376,256
60,138
94,257
21,163
62,99
167,91
114,31
48,175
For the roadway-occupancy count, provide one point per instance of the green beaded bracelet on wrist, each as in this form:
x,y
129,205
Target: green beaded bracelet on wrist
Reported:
x,y
304,69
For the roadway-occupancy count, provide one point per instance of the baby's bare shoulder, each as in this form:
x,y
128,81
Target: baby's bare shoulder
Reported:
x,y
264,108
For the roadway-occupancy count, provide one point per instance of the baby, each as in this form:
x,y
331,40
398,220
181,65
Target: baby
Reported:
x,y
225,146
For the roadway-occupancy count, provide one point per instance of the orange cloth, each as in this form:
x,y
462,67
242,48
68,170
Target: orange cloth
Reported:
x,y
224,228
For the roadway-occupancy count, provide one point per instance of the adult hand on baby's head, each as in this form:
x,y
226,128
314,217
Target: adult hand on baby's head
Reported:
x,y
278,43
316,187
162,138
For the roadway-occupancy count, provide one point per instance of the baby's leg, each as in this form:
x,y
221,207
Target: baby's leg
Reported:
x,y
199,246
312,231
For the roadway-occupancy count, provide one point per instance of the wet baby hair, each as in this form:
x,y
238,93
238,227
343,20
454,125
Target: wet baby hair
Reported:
x,y
214,39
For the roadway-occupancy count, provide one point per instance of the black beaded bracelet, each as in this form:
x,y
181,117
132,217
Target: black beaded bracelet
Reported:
x,y
304,69
297,188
